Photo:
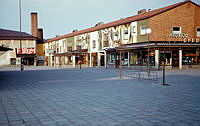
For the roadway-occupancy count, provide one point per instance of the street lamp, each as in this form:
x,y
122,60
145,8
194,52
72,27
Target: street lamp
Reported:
x,y
20,30
148,31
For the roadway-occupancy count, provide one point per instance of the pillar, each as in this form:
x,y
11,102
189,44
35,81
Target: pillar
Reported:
x,y
99,59
105,59
74,61
128,59
180,59
90,59
156,59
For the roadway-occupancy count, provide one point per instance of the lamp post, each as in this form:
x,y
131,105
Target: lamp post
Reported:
x,y
148,31
20,30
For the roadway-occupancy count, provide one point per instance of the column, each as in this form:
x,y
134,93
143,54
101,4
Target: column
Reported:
x,y
156,59
90,59
180,59
99,59
105,59
128,59
74,61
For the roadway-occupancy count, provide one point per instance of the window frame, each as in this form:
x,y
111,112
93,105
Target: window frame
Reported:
x,y
125,34
198,32
93,44
143,31
115,36
176,32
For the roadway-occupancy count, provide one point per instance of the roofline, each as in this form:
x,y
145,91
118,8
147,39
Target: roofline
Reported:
x,y
92,29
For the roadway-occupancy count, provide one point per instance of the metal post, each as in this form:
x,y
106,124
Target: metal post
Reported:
x,y
20,30
148,58
120,65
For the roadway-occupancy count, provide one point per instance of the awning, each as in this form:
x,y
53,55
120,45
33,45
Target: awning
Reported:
x,y
74,52
4,48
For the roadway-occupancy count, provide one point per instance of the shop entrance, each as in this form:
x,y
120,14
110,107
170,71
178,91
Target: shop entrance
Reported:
x,y
102,60
28,61
175,58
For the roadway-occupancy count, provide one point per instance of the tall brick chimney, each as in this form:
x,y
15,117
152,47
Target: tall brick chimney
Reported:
x,y
34,24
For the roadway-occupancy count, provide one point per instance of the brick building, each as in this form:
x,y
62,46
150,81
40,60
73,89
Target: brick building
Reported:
x,y
168,35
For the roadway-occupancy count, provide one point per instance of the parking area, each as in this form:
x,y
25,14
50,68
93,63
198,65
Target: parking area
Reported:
x,y
97,97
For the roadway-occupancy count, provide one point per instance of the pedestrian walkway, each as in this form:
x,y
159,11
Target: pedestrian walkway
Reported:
x,y
97,97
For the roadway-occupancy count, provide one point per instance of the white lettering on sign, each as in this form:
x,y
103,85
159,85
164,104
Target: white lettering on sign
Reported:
x,y
26,51
192,40
178,35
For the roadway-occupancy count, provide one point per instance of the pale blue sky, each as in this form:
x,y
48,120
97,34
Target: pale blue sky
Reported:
x,y
59,17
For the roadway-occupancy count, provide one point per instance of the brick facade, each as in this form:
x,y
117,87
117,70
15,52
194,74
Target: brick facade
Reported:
x,y
187,16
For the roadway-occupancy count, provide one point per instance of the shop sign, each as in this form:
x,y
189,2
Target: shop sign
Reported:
x,y
185,37
192,40
178,35
26,51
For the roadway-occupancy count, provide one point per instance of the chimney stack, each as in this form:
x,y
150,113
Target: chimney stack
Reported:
x,y
34,24
40,33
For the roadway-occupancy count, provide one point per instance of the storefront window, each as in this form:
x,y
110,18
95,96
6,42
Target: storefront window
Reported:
x,y
166,58
190,57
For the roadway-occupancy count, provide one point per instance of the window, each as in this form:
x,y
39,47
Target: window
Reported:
x,y
176,30
93,44
125,34
115,36
134,29
198,32
105,37
143,29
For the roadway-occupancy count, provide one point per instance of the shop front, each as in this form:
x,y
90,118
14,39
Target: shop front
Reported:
x,y
28,56
172,55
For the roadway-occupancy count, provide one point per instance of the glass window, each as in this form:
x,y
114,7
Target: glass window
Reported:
x,y
93,44
176,30
126,34
143,29
198,32
134,29
115,36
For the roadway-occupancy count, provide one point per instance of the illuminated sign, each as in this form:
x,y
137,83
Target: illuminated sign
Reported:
x,y
26,51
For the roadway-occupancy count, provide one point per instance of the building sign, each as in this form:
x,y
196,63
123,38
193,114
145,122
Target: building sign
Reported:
x,y
26,51
193,40
178,35
185,37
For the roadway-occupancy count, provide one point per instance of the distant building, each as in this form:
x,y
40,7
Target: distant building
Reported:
x,y
31,50
11,39
174,40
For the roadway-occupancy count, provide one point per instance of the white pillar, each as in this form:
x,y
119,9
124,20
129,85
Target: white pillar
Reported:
x,y
90,59
180,59
105,59
74,61
99,59
128,59
156,59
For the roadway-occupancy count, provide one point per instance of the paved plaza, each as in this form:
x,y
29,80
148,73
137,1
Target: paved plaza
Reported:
x,y
97,97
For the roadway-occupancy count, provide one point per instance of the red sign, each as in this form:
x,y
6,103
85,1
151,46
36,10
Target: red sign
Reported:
x,y
26,51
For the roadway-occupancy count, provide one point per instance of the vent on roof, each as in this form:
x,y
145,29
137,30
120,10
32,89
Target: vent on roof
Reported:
x,y
75,30
142,11
99,23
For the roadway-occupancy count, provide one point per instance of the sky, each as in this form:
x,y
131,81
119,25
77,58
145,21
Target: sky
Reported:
x,y
58,17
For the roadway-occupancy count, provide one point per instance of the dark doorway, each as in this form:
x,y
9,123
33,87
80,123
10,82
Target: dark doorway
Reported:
x,y
102,60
